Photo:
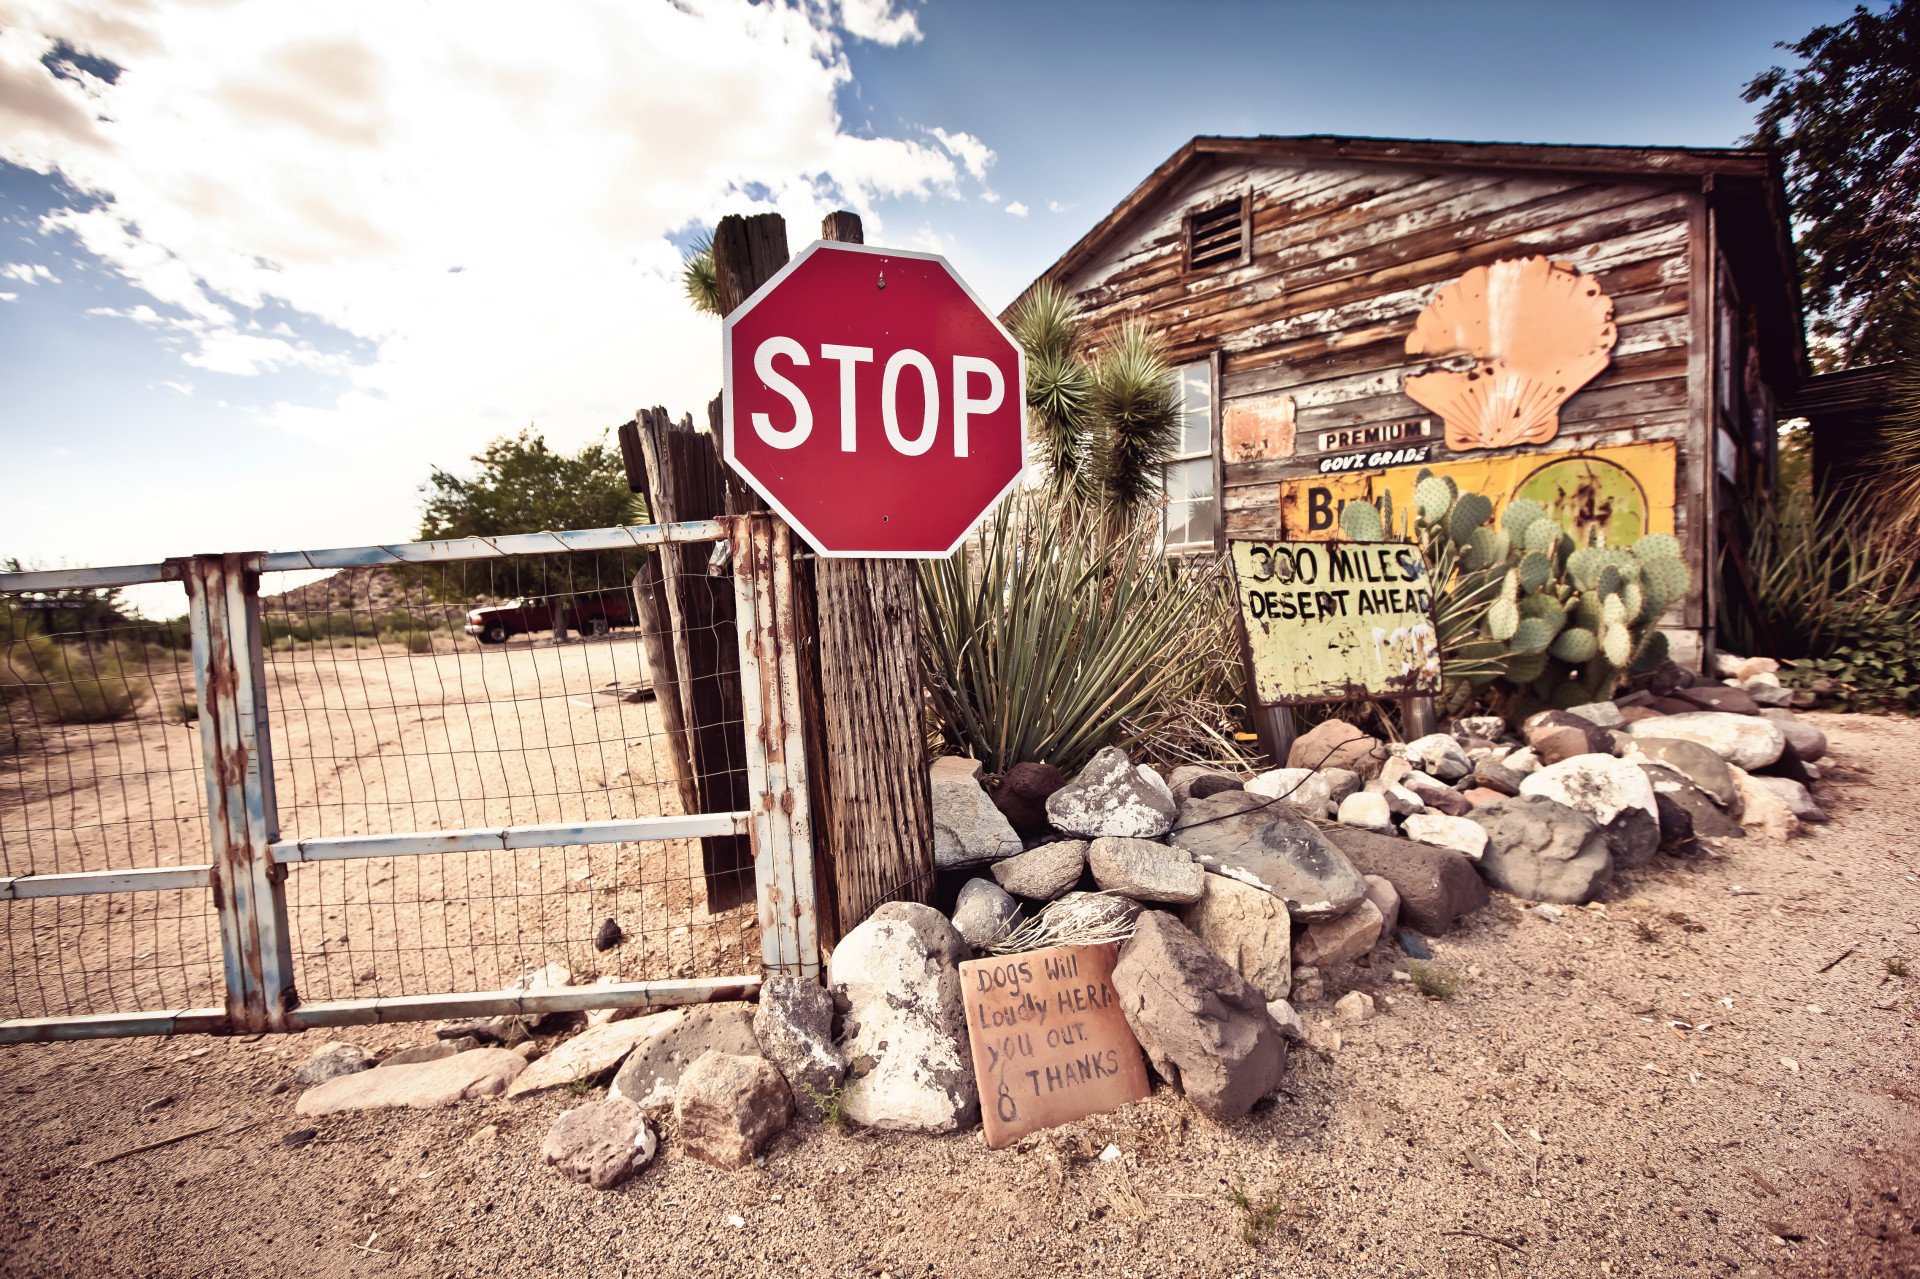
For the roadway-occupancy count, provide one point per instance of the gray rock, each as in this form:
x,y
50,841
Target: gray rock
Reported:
x,y
1797,797
1803,739
1366,810
794,1024
1342,940
1145,870
1705,818
332,1061
1264,843
967,827
728,1107
1614,793
1286,1019
1482,727
1401,802
1249,928
1458,833
589,1055
1305,789
1540,849
1182,780
1748,741
898,977
1044,873
1436,885
602,1143
1341,782
1496,776
430,1052
984,911
1605,714
1309,985
1768,694
427,1085
1112,799
1205,1028
1556,735
1335,743
1694,762
1439,755
653,1068
608,935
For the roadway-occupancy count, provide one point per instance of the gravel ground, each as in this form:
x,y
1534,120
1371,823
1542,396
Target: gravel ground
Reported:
x,y
1680,1081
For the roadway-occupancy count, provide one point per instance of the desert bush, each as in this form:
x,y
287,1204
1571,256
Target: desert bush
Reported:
x,y
1046,638
83,683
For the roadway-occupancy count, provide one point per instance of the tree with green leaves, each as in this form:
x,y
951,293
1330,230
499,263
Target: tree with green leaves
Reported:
x,y
1105,420
1847,121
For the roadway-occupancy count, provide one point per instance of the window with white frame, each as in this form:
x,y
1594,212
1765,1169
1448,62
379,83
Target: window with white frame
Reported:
x,y
1188,478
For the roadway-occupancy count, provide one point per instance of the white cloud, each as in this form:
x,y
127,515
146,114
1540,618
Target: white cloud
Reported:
x,y
185,388
875,20
1054,206
34,274
967,149
337,162
1018,209
9,297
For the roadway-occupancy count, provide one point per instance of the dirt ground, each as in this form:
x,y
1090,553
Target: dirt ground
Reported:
x,y
1711,1072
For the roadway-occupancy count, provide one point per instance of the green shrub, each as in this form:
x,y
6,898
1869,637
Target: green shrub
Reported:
x,y
84,683
419,642
1432,980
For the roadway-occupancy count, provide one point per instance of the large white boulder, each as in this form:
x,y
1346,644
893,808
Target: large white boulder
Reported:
x,y
1614,792
1746,741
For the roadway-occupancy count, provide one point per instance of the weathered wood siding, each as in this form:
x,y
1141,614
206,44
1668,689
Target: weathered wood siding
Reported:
x,y
1345,256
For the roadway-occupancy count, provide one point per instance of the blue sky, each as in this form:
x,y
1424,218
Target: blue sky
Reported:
x,y
294,256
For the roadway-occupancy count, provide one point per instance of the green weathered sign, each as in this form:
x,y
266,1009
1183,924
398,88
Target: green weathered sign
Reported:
x,y
1336,621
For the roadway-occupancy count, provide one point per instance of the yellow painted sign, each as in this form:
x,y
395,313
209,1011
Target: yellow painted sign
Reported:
x,y
1624,491
1336,621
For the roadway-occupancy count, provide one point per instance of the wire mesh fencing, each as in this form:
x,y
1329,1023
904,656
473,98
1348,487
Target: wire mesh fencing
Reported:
x,y
100,770
505,693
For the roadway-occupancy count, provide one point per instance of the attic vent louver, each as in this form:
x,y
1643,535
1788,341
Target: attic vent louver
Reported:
x,y
1218,236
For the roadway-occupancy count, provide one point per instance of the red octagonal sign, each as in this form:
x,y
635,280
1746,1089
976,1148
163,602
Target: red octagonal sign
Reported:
x,y
873,401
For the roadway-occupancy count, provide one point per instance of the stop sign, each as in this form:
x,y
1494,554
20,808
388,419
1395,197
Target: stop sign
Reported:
x,y
873,401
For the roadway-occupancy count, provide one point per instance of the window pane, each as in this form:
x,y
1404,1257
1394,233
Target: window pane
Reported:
x,y
1190,503
1192,384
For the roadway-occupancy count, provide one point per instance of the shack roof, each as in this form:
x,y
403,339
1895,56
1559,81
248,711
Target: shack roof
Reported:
x,y
1745,186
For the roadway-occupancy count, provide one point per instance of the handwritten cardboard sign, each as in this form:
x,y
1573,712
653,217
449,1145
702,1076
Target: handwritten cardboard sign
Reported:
x,y
1050,1044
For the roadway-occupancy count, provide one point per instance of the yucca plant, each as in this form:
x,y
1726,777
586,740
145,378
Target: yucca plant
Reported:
x,y
1046,637
1050,330
698,278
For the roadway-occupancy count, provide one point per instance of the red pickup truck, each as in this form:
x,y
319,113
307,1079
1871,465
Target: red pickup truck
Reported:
x,y
590,614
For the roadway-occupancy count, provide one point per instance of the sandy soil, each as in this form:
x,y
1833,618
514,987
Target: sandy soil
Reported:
x,y
1681,1081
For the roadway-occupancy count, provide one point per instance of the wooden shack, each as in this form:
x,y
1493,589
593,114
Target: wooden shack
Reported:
x,y
1606,329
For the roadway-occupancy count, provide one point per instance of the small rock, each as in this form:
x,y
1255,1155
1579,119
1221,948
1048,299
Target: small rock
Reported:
x,y
1495,775
1111,798
898,976
1440,755
666,1044
1676,822
1540,849
157,1104
430,1052
1182,780
1354,1006
794,1024
1341,782
1718,697
1304,789
1548,913
1402,802
1761,811
608,935
1145,870
728,1107
1386,900
299,1137
1444,800
331,1062
1797,798
1693,761
1803,739
1485,727
483,1072
1022,795
601,1143
1480,796
1556,735
1212,784
1204,1027
1461,834
1614,793
1436,885
1749,741
1265,843
1249,928
984,912
1286,1019
1045,872
1342,940
586,1056
1309,987
967,828
527,1051
1604,714
1751,667
1365,810
1414,946
1766,695
1705,818
1525,760
1335,743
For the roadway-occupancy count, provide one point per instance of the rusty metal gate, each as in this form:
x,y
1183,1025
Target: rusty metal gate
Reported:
x,y
361,728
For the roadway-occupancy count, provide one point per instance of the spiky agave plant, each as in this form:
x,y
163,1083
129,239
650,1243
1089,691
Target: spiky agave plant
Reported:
x,y
1050,330
698,278
1046,638
1135,423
